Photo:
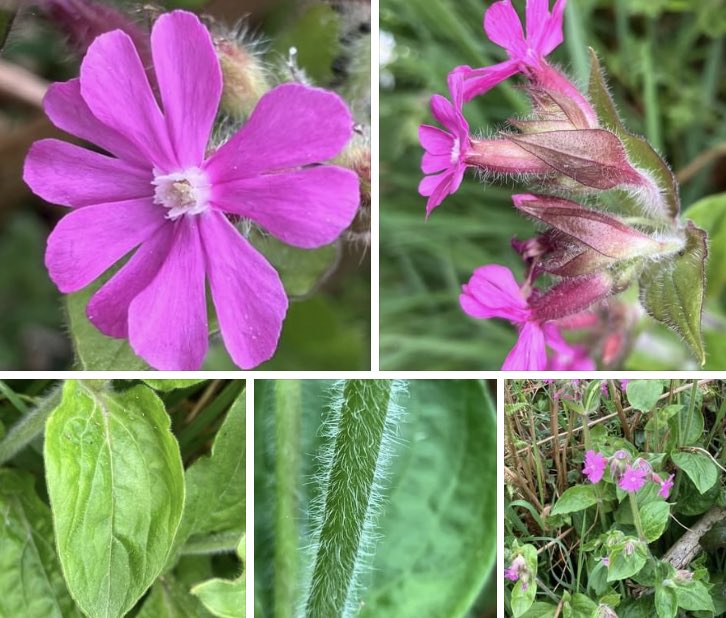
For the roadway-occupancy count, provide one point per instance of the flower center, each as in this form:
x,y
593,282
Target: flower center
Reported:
x,y
456,150
183,193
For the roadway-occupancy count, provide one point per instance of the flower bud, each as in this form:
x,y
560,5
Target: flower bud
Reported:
x,y
244,78
571,296
594,158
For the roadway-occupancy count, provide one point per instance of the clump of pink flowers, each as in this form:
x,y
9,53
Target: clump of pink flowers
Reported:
x,y
630,475
572,148
166,201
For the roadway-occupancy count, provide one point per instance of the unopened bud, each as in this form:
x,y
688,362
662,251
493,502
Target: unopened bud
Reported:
x,y
504,156
571,296
243,76
357,157
594,158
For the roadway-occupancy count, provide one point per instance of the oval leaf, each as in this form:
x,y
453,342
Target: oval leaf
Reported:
x,y
116,487
699,468
575,499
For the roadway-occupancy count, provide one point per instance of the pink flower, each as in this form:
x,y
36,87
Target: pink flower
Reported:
x,y
492,292
633,478
567,357
665,487
162,197
445,150
504,28
517,571
595,464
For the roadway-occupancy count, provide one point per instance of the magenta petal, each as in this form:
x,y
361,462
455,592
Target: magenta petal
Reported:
x,y
492,292
65,174
479,81
292,125
428,184
168,319
445,113
430,164
435,141
550,35
116,90
247,292
190,82
441,189
307,208
504,28
89,240
529,353
109,307
68,111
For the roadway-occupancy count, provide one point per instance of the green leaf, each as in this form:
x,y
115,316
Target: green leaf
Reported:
x,y
576,498
215,484
525,590
169,599
541,610
666,601
222,597
640,152
643,394
440,515
116,487
709,214
626,559
302,270
655,516
582,606
693,596
671,289
95,351
31,581
699,467
170,385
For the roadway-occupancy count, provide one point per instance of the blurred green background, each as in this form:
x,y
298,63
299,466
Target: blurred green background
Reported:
x,y
665,61
328,329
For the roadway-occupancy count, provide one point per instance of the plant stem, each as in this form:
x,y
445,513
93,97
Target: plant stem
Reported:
x,y
28,427
361,429
691,408
636,516
288,409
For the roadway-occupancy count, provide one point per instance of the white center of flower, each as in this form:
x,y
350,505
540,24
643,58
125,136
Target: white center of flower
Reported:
x,y
456,151
183,193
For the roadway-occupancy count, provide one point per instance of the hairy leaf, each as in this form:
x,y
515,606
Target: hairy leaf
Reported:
x,y
31,582
672,289
116,487
640,152
643,394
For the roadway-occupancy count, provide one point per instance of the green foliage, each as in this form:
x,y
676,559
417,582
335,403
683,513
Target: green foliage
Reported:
x,y
576,499
699,467
116,487
437,501
104,528
658,550
31,582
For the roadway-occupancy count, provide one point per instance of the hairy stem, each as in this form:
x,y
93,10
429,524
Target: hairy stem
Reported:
x,y
28,427
364,416
636,516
